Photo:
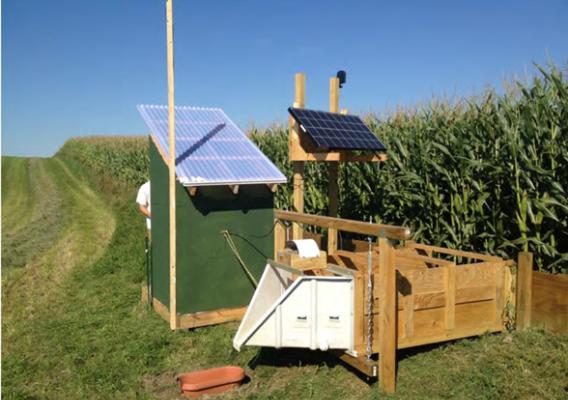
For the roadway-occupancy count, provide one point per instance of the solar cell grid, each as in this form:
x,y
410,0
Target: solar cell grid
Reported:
x,y
210,148
336,131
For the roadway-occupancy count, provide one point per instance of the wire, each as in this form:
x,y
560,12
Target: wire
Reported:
x,y
235,251
267,233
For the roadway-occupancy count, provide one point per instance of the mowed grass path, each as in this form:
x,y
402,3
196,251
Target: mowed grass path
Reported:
x,y
74,326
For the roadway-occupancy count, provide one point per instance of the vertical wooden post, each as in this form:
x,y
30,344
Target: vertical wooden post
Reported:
x,y
279,237
387,316
524,290
172,160
334,95
450,288
333,171
298,166
499,295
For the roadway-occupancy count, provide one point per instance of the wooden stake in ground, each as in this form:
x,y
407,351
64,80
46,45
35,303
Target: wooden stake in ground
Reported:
x,y
172,160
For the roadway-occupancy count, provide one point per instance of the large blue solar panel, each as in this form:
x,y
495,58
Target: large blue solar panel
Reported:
x,y
210,148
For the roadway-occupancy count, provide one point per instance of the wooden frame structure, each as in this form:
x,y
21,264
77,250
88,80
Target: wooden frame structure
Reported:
x,y
302,150
421,298
422,294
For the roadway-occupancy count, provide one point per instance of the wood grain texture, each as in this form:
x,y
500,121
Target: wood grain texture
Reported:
x,y
333,193
172,159
387,317
298,200
549,307
524,290
345,225
450,283
188,321
279,237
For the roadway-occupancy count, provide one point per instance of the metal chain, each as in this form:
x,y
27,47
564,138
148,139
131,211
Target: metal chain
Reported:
x,y
369,350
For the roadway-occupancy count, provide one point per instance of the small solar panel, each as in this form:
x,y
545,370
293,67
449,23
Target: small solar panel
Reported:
x,y
333,131
210,148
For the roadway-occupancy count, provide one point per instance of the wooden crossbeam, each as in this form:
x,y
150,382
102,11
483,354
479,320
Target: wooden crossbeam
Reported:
x,y
346,225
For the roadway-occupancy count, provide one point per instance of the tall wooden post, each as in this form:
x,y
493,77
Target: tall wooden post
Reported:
x,y
172,160
387,316
524,290
333,171
298,166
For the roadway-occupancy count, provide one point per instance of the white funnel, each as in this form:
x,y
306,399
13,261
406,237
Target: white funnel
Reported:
x,y
314,312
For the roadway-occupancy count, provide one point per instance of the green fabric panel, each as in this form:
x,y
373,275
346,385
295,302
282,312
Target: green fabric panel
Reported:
x,y
160,226
208,275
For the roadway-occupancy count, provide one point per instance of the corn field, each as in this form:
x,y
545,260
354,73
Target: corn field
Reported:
x,y
122,157
488,174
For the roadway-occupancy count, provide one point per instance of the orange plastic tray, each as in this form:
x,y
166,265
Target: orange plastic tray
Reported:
x,y
210,381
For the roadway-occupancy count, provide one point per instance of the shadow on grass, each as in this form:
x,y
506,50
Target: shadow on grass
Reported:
x,y
289,357
414,351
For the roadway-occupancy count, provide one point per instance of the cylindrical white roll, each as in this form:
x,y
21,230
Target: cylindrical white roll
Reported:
x,y
307,248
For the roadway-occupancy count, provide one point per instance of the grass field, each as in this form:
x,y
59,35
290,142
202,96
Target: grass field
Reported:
x,y
73,325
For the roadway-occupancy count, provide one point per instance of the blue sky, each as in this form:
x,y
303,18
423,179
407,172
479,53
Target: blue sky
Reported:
x,y
79,67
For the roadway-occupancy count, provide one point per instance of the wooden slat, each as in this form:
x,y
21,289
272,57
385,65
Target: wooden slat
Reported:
x,y
559,282
460,253
387,317
428,280
431,322
409,310
194,320
550,302
499,293
480,275
404,343
308,263
438,299
161,309
426,259
450,283
524,290
346,225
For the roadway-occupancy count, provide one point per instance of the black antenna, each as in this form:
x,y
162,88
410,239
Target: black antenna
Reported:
x,y
342,76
